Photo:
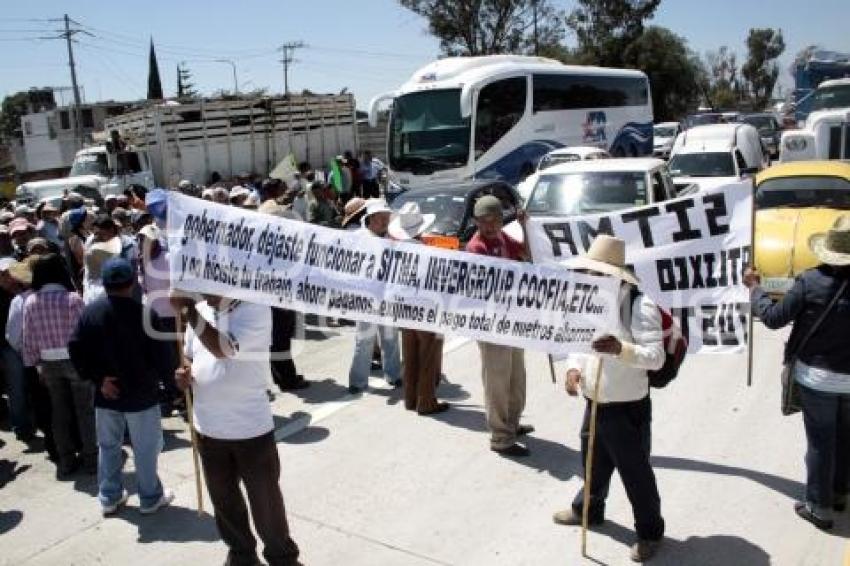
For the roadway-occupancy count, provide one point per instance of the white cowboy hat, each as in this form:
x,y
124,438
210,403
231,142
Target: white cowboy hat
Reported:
x,y
607,255
375,206
833,246
410,222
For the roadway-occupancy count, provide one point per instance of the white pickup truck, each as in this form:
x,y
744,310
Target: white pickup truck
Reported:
x,y
95,173
826,131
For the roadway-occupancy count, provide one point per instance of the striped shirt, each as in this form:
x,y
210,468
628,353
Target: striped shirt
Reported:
x,y
50,318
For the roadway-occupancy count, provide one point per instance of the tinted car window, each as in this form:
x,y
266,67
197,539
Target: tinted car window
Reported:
x,y
802,192
717,164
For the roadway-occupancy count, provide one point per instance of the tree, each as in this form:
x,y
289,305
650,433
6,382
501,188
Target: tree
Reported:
x,y
605,29
674,71
14,106
154,83
764,46
185,88
487,27
723,87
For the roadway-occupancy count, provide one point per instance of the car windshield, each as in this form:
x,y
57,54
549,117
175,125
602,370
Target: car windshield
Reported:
x,y
664,131
837,96
764,124
427,132
704,119
714,164
574,194
90,164
448,208
803,192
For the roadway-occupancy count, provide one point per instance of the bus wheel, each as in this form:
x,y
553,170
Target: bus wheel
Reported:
x,y
618,151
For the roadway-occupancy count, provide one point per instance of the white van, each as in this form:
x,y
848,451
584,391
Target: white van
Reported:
x,y
826,132
709,156
663,136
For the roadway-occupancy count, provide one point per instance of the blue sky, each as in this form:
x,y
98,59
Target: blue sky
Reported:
x,y
367,46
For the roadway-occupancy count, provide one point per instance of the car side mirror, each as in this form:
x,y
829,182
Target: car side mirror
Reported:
x,y
750,171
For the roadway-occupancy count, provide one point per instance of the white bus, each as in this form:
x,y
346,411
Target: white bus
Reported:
x,y
461,118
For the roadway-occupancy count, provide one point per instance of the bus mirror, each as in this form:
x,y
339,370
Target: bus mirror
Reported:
x,y
373,107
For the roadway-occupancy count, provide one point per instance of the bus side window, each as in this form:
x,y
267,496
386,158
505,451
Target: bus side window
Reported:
x,y
500,106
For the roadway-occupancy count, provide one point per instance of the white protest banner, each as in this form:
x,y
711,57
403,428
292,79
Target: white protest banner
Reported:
x,y
264,259
689,253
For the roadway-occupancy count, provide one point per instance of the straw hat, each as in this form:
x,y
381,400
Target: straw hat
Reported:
x,y
99,252
410,222
21,271
353,208
607,255
833,246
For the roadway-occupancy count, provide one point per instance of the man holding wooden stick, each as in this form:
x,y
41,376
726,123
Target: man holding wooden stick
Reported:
x,y
619,391
227,365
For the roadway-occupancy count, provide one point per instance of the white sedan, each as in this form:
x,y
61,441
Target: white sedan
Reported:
x,y
561,155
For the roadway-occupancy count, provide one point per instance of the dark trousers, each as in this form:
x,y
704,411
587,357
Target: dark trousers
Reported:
x,y
253,462
72,411
371,189
167,385
826,417
283,366
623,439
422,352
39,399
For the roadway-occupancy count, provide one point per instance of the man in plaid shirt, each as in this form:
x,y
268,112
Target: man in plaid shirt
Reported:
x,y
50,318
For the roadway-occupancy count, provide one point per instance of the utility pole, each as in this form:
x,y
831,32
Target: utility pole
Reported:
x,y
68,35
288,50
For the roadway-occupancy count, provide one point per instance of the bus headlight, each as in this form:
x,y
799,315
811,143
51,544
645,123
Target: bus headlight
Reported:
x,y
796,144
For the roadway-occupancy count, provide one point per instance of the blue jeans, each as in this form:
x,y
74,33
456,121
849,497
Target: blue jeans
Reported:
x,y
358,376
826,417
13,369
146,439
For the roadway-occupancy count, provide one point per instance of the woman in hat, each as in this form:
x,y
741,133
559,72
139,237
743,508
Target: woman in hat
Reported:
x,y
421,350
821,367
354,211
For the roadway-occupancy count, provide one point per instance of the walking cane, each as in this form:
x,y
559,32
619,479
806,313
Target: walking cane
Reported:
x,y
190,412
588,466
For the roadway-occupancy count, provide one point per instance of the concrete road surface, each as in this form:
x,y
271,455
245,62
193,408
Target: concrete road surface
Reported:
x,y
368,483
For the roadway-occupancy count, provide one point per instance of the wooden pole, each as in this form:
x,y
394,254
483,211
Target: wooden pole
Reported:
x,y
552,368
752,265
588,465
196,461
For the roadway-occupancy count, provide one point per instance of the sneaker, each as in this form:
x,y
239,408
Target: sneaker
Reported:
x,y
108,510
354,390
512,451
808,513
570,518
643,550
167,497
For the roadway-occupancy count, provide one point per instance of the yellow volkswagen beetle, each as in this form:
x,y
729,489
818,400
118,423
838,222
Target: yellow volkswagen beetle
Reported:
x,y
793,201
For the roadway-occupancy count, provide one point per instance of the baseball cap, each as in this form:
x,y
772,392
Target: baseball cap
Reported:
x,y
116,272
156,201
487,205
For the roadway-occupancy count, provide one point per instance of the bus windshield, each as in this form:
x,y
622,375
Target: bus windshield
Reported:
x,y
427,132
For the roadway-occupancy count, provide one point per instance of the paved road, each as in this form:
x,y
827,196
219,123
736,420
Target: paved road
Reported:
x,y
367,483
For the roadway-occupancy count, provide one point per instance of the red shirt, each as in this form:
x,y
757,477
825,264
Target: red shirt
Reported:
x,y
503,246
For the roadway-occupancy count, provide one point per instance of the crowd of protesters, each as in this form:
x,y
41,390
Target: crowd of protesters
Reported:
x,y
94,354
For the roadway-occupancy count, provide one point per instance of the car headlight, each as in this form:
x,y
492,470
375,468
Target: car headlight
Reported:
x,y
795,144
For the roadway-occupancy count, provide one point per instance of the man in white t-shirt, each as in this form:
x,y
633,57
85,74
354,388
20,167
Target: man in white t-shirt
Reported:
x,y
227,344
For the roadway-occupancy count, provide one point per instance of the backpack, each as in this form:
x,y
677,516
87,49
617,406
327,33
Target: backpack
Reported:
x,y
675,348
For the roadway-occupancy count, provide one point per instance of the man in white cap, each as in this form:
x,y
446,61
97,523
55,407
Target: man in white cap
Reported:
x,y
423,350
624,414
502,367
375,223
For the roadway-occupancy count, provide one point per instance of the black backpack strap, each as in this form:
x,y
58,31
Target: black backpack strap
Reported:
x,y
814,327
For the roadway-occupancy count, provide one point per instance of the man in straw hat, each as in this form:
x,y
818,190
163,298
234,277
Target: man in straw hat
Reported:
x,y
502,367
623,433
114,347
821,366
375,223
422,350
227,353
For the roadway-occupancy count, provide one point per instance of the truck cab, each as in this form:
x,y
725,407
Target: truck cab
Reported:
x,y
96,172
826,132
